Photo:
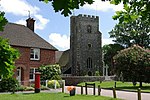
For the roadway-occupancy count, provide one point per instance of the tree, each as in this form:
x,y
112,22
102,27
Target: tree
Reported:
x,y
109,51
49,72
8,55
3,21
134,64
135,32
133,9
66,6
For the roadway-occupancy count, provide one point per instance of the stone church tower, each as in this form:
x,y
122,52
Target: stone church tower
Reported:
x,y
85,45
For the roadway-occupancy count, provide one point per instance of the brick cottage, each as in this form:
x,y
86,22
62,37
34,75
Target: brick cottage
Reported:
x,y
34,50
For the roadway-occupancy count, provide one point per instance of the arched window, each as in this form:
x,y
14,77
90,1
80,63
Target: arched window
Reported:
x,y
89,45
89,29
89,63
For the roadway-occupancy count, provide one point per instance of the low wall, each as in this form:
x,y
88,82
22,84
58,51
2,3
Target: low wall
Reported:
x,y
74,80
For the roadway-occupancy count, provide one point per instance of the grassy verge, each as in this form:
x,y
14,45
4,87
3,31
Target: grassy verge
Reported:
x,y
120,85
51,96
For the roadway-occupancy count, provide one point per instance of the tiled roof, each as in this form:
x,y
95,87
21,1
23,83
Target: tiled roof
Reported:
x,y
64,59
20,35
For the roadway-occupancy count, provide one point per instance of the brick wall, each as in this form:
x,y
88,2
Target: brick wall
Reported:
x,y
46,57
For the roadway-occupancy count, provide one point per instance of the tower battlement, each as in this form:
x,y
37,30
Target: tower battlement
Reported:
x,y
87,16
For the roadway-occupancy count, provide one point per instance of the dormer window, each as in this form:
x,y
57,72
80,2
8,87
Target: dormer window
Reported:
x,y
89,29
35,54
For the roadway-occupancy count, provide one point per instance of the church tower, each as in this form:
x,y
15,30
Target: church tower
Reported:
x,y
85,45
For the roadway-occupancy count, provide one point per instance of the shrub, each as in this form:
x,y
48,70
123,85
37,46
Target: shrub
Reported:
x,y
56,77
44,87
97,73
8,85
20,88
51,84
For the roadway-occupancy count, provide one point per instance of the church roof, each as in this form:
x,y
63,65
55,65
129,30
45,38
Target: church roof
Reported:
x,y
20,35
64,59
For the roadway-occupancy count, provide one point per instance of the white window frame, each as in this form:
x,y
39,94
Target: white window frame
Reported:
x,y
35,52
33,74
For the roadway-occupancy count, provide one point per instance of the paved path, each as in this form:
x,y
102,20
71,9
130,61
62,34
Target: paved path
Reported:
x,y
120,94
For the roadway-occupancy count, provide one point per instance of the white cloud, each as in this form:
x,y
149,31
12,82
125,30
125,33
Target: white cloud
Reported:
x,y
22,22
22,8
103,6
18,7
107,41
41,23
62,42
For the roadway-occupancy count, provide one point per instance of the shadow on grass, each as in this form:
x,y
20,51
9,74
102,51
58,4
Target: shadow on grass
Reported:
x,y
28,93
66,96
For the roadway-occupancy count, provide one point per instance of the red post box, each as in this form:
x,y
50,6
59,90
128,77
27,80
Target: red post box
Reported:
x,y
37,82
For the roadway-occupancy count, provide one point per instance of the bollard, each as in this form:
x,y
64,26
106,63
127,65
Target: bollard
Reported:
x,y
115,84
81,89
94,89
114,93
37,82
99,90
86,88
139,94
63,86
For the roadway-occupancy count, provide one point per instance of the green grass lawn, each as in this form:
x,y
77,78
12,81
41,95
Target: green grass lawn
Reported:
x,y
120,85
51,96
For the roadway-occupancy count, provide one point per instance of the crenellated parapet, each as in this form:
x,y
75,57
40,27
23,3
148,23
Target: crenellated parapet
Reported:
x,y
84,16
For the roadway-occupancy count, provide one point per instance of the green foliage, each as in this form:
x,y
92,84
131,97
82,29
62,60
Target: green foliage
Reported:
x,y
134,64
109,51
133,9
8,85
49,71
51,84
8,55
97,73
135,32
66,6
3,21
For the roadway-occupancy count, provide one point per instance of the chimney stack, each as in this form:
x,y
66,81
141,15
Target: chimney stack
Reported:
x,y
30,23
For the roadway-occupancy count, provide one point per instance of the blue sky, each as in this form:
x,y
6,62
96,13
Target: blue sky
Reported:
x,y
54,27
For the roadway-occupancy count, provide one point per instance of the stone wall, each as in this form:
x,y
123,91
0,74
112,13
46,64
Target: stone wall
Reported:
x,y
74,80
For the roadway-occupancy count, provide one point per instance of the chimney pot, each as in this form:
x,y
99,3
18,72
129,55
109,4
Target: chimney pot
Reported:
x,y
30,23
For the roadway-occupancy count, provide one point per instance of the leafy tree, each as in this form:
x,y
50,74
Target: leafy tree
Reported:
x,y
50,72
3,21
109,51
66,6
135,32
134,64
8,55
133,9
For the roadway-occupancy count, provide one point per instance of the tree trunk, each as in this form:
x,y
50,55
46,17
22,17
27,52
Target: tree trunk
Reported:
x,y
140,83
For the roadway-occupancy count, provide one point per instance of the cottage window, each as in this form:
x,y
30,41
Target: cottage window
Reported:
x,y
32,73
35,54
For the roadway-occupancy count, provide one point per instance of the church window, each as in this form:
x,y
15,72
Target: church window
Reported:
x,y
89,28
89,45
89,63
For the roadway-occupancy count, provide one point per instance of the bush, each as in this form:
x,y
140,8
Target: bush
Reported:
x,y
56,77
97,73
51,84
44,87
8,85
20,88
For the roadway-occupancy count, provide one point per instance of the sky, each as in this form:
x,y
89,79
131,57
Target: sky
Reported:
x,y
54,27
